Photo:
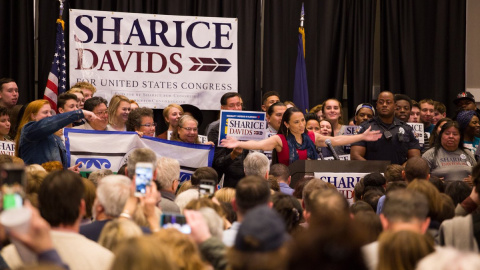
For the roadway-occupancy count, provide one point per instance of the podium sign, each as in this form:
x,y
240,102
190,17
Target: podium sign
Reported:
x,y
343,174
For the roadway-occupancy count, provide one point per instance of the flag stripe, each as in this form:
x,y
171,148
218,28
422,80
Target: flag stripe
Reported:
x,y
56,83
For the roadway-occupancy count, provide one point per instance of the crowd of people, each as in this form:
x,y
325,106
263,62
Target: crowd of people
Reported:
x,y
420,213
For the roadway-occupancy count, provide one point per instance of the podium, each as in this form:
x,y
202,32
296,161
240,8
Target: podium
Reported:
x,y
300,168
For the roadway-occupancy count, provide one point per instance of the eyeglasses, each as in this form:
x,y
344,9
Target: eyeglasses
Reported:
x,y
101,113
190,129
149,125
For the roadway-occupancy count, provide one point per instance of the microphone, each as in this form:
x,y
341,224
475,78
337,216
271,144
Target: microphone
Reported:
x,y
330,146
320,155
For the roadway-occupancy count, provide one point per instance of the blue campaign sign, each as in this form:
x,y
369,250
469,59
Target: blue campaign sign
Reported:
x,y
243,125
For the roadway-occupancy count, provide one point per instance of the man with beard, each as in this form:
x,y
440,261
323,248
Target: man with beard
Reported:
x,y
398,142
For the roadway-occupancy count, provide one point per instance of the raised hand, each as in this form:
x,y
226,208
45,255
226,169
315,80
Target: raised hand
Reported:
x,y
229,142
371,135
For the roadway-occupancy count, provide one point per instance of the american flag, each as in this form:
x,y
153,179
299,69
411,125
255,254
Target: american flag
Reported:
x,y
57,77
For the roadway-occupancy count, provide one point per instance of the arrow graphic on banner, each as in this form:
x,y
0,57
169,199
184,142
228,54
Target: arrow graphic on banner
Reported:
x,y
210,64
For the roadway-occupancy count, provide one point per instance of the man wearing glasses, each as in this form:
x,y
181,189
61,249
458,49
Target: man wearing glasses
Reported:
x,y
98,106
398,142
228,161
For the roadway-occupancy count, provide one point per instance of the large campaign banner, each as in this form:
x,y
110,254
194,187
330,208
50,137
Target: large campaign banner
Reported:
x,y
110,150
155,59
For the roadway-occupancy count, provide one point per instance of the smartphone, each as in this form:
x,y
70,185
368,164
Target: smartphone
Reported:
x,y
177,221
13,182
143,177
206,188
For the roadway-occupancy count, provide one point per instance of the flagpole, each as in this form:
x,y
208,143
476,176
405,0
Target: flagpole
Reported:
x,y
60,20
57,78
302,16
61,9
302,30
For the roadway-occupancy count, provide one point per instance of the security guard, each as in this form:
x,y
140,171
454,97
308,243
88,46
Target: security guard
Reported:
x,y
398,142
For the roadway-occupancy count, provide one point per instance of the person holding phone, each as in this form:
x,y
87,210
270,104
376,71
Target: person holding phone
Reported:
x,y
143,177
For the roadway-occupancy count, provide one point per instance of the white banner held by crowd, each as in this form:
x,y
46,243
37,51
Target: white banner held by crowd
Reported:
x,y
155,59
110,150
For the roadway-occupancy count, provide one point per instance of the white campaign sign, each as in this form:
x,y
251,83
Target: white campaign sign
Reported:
x,y
7,148
418,132
155,59
344,182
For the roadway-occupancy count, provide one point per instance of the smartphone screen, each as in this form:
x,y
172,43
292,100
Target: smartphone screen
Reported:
x,y
13,181
143,177
206,188
176,221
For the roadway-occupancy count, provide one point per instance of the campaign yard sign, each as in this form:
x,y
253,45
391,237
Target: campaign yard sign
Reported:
x,y
243,125
7,148
154,59
418,131
344,182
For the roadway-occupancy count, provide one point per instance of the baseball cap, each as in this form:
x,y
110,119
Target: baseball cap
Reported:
x,y
464,95
262,230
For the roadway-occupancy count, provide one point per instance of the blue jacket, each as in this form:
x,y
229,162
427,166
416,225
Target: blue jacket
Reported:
x,y
38,144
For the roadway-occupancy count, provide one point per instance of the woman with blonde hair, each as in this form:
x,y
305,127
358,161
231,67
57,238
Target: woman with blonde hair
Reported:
x,y
143,253
402,250
171,114
225,195
34,174
184,251
197,204
116,231
118,111
35,140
